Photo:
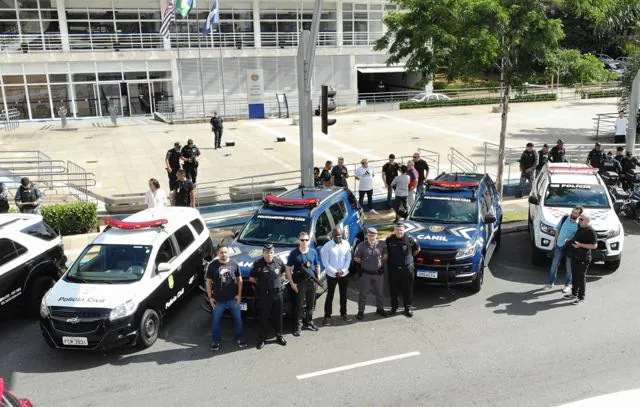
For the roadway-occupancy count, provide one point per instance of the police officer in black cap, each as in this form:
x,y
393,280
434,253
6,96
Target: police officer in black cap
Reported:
x,y
543,157
190,157
558,153
596,157
172,165
267,274
402,249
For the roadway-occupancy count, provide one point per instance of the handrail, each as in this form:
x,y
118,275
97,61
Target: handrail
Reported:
x,y
460,161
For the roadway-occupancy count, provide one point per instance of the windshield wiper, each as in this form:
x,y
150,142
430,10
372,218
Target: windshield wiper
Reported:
x,y
76,279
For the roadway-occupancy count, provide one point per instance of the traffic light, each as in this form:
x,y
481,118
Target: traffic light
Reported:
x,y
328,104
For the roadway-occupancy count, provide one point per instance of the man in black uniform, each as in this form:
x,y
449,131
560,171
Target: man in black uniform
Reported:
x,y
216,127
596,157
389,172
543,157
28,198
583,242
172,165
190,157
401,249
528,164
628,162
558,153
185,193
339,174
423,169
267,274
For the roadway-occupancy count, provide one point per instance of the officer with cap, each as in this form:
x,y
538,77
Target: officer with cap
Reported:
x,y
543,157
190,156
401,251
267,274
528,163
596,157
371,255
28,197
172,165
558,153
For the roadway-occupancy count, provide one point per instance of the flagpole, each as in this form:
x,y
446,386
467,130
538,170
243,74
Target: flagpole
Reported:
x,y
224,102
204,112
177,31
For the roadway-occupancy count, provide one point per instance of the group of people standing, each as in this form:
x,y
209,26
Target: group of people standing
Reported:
x,y
531,162
181,164
621,163
28,197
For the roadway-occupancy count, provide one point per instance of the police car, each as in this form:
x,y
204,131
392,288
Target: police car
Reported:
x,y
281,219
31,261
123,283
455,221
556,191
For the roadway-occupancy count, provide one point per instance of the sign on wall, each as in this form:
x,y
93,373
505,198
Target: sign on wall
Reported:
x,y
255,93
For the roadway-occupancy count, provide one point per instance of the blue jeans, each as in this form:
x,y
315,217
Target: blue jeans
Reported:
x,y
216,317
558,254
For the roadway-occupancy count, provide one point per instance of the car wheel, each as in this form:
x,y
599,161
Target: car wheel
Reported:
x,y
612,265
149,328
37,289
476,285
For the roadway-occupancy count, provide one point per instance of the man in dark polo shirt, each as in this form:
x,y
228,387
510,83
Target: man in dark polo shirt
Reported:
x,y
582,243
422,167
371,255
339,174
172,165
389,172
185,193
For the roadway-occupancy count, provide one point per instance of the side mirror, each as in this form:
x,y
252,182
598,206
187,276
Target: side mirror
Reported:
x,y
163,267
534,200
617,206
490,218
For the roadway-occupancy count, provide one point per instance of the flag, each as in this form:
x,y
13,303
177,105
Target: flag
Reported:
x,y
212,18
168,18
185,6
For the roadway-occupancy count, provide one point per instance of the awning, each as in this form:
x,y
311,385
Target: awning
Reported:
x,y
381,69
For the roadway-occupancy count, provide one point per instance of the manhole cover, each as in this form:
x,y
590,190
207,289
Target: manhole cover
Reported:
x,y
268,148
91,162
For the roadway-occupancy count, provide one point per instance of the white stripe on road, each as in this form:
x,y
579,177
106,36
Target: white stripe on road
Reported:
x,y
356,365
438,129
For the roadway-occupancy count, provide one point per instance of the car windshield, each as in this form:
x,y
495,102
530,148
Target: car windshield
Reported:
x,y
419,95
110,264
571,195
442,209
281,230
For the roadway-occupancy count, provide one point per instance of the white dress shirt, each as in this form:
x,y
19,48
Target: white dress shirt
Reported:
x,y
336,257
157,200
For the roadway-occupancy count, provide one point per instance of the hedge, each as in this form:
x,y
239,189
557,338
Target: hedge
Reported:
x,y
540,97
73,218
609,93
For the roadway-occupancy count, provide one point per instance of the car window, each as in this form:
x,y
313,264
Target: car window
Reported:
x,y
352,200
109,264
433,97
166,252
40,230
197,225
323,226
336,212
485,205
184,237
10,250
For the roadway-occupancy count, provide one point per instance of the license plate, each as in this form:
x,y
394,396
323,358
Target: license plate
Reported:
x,y
243,306
428,274
74,341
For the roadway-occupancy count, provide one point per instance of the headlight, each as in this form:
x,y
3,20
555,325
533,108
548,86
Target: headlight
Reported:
x,y
44,310
547,229
123,310
466,252
615,231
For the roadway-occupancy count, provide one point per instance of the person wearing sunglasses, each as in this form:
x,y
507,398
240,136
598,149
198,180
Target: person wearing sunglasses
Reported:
x,y
583,242
301,264
365,175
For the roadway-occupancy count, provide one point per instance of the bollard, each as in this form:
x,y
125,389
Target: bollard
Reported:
x,y
62,112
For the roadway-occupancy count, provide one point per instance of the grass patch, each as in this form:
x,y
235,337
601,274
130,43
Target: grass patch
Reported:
x,y
515,216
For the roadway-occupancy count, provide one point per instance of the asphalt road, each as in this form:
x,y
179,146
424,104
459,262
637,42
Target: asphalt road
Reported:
x,y
512,344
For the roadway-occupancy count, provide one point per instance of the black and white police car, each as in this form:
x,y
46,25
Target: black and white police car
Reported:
x,y
31,261
122,285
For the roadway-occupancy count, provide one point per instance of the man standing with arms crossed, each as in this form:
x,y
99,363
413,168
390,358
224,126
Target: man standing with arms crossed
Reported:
x,y
301,264
402,249
336,258
528,164
372,258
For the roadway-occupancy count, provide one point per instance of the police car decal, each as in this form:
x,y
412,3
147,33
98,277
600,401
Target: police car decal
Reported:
x,y
282,217
11,296
571,186
446,198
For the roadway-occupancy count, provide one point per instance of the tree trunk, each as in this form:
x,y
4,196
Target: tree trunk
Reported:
x,y
503,138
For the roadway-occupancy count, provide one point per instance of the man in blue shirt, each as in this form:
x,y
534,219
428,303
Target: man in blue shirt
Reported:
x,y
565,230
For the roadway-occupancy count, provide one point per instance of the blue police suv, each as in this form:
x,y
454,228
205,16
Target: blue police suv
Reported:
x,y
281,219
455,220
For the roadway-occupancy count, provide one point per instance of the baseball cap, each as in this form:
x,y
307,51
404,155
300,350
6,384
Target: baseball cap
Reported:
x,y
559,141
190,141
372,231
597,144
620,149
176,144
399,225
267,247
392,156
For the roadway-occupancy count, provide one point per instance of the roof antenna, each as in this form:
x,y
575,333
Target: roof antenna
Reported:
x,y
301,188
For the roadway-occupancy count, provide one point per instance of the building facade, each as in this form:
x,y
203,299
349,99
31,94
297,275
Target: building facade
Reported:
x,y
94,56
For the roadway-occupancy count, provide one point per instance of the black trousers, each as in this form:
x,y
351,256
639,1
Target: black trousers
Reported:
x,y
401,281
401,201
369,194
173,179
217,137
579,277
270,306
191,172
342,284
305,300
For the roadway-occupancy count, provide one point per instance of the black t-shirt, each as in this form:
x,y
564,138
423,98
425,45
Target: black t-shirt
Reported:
x,y
268,275
390,171
325,175
183,193
225,279
422,167
585,236
557,155
190,153
173,157
401,250
340,176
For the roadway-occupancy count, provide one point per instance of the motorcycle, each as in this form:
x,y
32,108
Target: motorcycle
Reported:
x,y
631,206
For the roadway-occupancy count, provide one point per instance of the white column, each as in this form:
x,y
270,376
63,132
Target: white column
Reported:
x,y
64,29
166,42
257,37
339,32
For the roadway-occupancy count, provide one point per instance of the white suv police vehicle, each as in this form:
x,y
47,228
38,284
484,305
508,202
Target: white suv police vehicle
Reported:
x,y
559,188
31,261
122,285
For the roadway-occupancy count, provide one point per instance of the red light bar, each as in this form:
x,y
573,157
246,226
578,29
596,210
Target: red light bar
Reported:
x,y
120,224
274,200
448,184
558,168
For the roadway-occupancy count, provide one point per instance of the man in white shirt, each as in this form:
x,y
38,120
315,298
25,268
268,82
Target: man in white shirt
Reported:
x,y
364,175
620,134
336,258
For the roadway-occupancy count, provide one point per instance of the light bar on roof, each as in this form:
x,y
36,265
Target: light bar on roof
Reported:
x,y
120,224
274,200
452,184
570,170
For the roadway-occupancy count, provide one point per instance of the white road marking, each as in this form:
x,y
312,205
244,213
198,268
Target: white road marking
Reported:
x,y
439,129
627,398
356,365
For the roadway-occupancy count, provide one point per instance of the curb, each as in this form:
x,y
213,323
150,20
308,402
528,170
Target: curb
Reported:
x,y
515,227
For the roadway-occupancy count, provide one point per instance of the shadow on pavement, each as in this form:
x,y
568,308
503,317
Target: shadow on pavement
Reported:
x,y
528,302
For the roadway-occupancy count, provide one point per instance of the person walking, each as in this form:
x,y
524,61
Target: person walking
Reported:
x,y
185,193
216,128
423,169
401,249
190,160
528,163
389,173
365,175
596,157
336,258
325,174
4,198
583,242
301,264
401,186
224,290
413,183
172,162
339,174
267,275
543,157
155,196
28,197
565,230
371,255
620,132
558,153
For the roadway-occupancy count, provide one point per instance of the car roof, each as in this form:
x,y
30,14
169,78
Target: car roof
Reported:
x,y
565,178
457,177
10,222
572,173
310,193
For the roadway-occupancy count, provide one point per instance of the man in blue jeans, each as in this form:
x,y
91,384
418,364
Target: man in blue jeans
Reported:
x,y
224,289
565,230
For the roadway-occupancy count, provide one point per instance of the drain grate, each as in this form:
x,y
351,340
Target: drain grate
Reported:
x,y
91,162
268,148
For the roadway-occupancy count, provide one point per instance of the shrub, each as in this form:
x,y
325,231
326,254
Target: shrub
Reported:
x,y
609,93
539,97
73,218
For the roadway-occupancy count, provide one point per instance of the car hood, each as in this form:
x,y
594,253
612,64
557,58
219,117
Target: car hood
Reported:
x,y
441,235
245,255
69,294
601,219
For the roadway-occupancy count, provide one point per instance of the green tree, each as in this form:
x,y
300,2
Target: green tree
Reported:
x,y
473,36
631,70
570,67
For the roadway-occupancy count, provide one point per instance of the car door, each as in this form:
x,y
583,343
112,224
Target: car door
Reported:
x,y
536,191
190,256
13,271
486,208
164,285
353,217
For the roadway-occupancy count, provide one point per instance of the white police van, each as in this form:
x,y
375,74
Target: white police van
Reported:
x,y
123,283
555,192
31,261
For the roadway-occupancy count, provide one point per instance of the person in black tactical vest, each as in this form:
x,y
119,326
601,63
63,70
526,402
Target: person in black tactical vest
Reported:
x,y
4,198
543,157
627,163
401,250
528,165
172,165
558,153
216,127
28,197
190,156
267,274
596,157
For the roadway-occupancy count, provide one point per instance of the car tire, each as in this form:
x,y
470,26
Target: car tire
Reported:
x,y
612,265
37,289
149,328
537,258
476,285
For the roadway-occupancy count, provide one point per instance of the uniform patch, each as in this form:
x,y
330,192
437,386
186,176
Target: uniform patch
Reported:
x,y
171,282
436,229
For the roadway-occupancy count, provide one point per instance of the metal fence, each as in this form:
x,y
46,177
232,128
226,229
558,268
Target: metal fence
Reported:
x,y
460,162
10,119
